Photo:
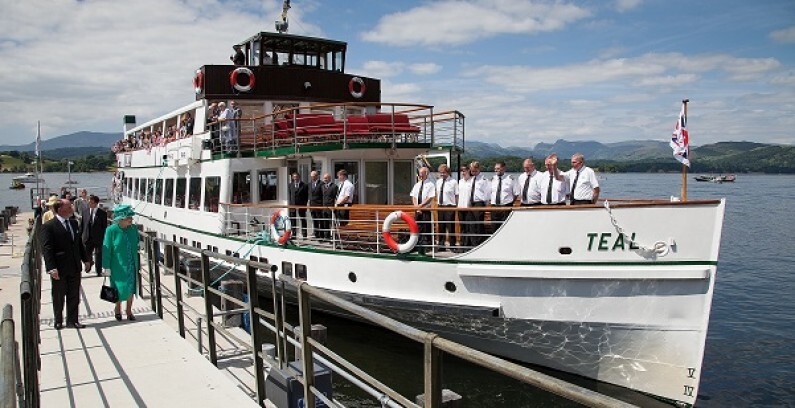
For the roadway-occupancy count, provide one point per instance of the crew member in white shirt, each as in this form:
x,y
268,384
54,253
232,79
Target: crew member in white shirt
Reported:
x,y
584,187
479,196
344,196
501,194
553,185
526,186
465,218
422,196
447,199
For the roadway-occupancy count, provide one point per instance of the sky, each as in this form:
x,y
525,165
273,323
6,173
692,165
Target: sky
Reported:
x,y
521,71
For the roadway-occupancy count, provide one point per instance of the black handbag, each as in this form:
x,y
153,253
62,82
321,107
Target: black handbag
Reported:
x,y
108,293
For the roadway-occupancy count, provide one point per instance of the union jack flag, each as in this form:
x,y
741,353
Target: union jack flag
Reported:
x,y
680,140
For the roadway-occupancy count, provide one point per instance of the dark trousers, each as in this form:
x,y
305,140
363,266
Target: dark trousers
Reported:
x,y
298,215
423,219
477,227
342,215
498,217
96,251
317,224
446,226
67,287
325,224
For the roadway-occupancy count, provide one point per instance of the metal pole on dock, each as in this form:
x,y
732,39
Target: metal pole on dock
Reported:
x,y
208,308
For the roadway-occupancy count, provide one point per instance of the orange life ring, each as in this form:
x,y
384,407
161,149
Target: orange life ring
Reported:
x,y
414,230
198,81
279,217
238,87
352,87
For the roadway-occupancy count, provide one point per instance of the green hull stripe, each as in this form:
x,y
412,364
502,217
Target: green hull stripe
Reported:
x,y
421,258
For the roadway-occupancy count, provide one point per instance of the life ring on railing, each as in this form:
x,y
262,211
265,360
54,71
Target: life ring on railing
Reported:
x,y
413,229
235,84
198,81
352,85
279,217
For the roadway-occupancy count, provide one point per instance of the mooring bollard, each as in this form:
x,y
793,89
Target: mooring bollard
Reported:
x,y
450,399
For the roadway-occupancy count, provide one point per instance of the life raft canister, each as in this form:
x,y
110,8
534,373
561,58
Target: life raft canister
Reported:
x,y
234,79
279,217
198,81
414,230
354,84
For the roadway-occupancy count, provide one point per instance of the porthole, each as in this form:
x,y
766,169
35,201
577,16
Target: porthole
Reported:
x,y
450,286
564,250
352,277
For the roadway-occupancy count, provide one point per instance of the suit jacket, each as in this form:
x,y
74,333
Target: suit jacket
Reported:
x,y
329,194
297,196
316,193
94,232
61,251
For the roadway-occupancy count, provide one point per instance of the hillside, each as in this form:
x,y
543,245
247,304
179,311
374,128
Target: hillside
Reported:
x,y
82,139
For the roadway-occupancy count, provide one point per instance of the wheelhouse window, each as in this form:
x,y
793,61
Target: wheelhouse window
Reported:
x,y
194,193
268,183
241,188
168,199
212,193
159,191
179,200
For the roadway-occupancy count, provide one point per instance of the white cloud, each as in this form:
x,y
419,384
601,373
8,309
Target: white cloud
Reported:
x,y
425,68
786,35
668,80
626,5
382,69
460,22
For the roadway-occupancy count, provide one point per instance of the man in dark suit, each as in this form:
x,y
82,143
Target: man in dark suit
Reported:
x,y
298,194
63,252
93,225
329,191
315,200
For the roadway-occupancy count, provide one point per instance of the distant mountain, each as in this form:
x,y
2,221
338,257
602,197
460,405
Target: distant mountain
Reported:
x,y
74,140
620,151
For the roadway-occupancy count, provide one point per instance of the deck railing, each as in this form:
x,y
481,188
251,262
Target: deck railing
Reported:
x,y
258,275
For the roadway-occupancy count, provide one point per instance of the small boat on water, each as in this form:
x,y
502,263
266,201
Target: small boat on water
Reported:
x,y
16,185
729,178
28,178
71,182
618,293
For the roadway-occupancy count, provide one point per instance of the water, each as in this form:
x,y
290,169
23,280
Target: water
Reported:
x,y
54,181
749,360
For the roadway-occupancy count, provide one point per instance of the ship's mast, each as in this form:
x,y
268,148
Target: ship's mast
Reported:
x,y
281,26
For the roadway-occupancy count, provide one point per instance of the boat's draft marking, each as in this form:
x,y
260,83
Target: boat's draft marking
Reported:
x,y
419,258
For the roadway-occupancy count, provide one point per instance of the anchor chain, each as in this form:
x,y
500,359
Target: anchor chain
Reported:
x,y
660,248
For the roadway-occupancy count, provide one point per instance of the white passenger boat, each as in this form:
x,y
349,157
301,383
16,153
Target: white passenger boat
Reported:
x,y
28,178
618,293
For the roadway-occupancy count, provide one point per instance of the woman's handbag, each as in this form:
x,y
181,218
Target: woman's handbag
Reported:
x,y
108,293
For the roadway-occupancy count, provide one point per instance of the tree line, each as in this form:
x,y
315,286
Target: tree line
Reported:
x,y
85,164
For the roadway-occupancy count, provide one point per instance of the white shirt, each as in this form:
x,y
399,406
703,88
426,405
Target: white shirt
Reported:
x,y
506,190
482,189
533,191
559,188
585,183
428,190
464,188
345,190
450,196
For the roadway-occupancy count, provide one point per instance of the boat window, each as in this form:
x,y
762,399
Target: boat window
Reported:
x,y
179,200
241,188
404,179
376,186
150,192
212,193
168,199
144,190
194,193
159,191
267,185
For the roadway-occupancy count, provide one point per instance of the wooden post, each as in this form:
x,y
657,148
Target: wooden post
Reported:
x,y
684,167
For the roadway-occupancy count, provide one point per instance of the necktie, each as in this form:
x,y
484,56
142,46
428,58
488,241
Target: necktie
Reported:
x,y
574,186
472,191
498,199
526,187
549,189
68,229
441,193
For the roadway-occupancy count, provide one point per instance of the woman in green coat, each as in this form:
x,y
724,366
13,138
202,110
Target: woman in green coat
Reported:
x,y
120,255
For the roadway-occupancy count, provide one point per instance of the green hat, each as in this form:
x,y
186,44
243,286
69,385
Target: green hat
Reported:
x,y
122,211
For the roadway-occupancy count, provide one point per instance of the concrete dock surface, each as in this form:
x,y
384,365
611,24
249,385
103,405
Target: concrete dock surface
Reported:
x,y
111,363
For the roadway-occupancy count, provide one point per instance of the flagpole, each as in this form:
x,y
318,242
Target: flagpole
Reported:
x,y
684,167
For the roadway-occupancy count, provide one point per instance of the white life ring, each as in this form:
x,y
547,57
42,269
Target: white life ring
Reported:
x,y
279,217
236,85
353,83
413,229
198,82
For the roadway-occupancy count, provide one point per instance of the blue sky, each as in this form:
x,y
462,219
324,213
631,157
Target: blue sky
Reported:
x,y
523,72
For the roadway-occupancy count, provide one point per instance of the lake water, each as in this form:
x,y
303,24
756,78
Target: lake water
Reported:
x,y
750,352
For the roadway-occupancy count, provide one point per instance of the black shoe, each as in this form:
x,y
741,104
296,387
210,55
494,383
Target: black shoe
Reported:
x,y
118,316
75,325
130,317
58,325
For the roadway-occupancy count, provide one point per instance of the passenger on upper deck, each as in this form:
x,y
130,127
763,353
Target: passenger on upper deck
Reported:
x,y
553,185
446,197
238,58
228,127
584,186
501,193
422,196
